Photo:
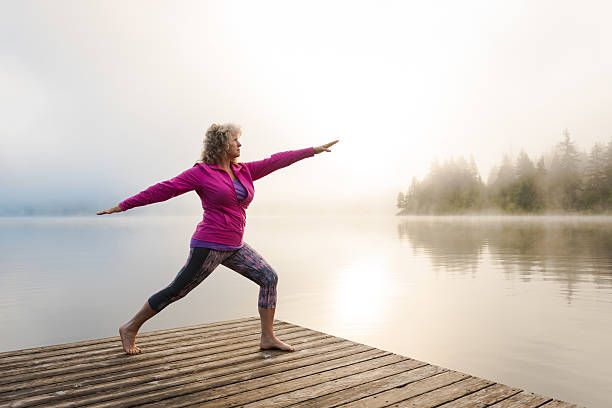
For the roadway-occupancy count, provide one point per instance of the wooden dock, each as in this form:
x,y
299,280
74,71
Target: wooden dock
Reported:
x,y
220,365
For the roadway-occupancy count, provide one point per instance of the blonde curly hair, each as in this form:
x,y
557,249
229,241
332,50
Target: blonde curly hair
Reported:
x,y
216,142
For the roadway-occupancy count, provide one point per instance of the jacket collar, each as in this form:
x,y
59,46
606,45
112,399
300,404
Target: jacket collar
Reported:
x,y
235,166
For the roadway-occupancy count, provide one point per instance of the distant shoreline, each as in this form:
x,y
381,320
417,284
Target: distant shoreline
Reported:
x,y
509,214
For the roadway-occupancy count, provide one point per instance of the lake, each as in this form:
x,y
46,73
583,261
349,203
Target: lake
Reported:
x,y
525,301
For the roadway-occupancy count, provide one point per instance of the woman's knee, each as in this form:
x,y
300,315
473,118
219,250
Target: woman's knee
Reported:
x,y
164,297
270,278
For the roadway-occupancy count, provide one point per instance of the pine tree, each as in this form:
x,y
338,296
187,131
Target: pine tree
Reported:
x,y
524,167
401,202
607,190
524,191
565,180
541,167
474,170
500,192
595,178
568,160
541,181
411,199
506,172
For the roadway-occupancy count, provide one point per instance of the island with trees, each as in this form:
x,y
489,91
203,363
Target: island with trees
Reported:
x,y
562,181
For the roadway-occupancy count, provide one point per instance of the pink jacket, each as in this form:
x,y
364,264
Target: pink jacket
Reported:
x,y
224,217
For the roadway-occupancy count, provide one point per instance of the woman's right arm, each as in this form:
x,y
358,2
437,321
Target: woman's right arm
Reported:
x,y
110,211
184,182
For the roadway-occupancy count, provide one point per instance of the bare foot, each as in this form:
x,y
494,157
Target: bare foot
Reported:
x,y
268,343
128,339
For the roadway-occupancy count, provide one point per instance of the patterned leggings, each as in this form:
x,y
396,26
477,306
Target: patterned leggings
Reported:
x,y
201,263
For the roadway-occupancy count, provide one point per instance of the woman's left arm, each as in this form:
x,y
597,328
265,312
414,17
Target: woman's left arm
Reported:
x,y
325,147
261,168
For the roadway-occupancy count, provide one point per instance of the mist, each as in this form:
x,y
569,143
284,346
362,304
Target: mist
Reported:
x,y
102,99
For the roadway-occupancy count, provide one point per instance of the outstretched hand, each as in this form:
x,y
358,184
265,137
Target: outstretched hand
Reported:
x,y
110,211
325,147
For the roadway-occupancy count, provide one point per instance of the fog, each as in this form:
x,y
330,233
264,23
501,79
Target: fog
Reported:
x,y
102,99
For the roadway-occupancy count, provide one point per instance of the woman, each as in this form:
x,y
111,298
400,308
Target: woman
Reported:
x,y
226,190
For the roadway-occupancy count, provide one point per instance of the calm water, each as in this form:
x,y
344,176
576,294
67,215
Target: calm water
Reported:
x,y
522,301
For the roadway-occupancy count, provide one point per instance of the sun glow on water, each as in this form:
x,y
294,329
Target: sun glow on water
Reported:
x,y
361,291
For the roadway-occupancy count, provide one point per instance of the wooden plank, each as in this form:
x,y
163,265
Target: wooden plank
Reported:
x,y
161,360
374,387
386,398
484,397
559,404
9,355
338,384
523,400
445,394
244,392
113,351
145,389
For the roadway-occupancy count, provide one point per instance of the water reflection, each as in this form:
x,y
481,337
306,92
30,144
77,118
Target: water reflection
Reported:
x,y
560,249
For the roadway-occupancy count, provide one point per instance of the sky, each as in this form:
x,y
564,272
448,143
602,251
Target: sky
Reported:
x,y
99,100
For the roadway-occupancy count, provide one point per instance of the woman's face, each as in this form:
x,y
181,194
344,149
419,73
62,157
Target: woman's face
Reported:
x,y
234,146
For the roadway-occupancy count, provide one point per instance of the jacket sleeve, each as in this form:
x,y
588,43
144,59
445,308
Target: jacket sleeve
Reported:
x,y
261,168
184,182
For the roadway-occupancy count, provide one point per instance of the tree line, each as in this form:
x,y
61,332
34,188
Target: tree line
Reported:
x,y
563,180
